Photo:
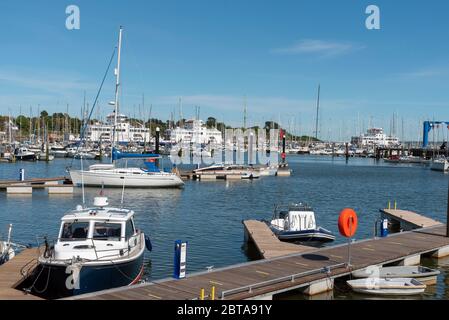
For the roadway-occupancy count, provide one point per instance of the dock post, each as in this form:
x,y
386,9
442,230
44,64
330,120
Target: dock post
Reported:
x,y
156,147
202,294
447,219
212,293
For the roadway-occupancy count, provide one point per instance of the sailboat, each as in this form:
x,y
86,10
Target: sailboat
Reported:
x,y
109,175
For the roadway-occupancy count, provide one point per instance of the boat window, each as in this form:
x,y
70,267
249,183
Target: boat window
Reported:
x,y
73,231
129,229
107,231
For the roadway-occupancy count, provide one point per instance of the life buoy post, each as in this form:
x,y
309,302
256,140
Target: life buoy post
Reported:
x,y
347,225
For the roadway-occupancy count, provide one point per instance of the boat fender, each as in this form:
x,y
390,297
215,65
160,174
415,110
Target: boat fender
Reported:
x,y
347,222
148,244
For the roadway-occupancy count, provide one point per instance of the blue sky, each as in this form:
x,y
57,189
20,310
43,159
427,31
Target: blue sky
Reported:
x,y
214,53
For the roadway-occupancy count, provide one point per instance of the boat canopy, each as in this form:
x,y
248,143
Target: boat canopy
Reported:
x,y
116,155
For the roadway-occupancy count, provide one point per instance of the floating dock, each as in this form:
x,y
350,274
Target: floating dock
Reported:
x,y
407,220
266,242
13,272
312,272
52,185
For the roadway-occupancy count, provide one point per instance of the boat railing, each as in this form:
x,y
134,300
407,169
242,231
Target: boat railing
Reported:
x,y
291,278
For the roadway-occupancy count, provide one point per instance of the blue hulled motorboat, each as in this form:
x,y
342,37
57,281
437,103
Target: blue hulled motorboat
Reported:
x,y
296,223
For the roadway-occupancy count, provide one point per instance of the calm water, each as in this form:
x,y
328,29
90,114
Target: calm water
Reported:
x,y
209,214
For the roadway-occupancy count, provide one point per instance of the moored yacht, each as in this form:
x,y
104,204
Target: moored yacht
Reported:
x,y
112,176
440,164
97,248
109,175
25,155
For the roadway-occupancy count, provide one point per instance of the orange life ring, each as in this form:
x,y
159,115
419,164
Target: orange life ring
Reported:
x,y
347,222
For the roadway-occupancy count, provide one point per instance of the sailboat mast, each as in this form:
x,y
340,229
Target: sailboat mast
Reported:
x,y
317,112
117,87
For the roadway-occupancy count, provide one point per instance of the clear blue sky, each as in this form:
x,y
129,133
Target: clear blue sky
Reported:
x,y
212,53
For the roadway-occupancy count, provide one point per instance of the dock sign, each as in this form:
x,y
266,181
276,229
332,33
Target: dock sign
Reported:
x,y
180,259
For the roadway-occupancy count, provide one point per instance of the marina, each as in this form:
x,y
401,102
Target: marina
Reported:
x,y
206,151
269,247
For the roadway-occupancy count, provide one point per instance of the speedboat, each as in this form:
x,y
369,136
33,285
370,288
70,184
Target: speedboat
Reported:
x,y
423,274
25,155
97,248
296,223
387,286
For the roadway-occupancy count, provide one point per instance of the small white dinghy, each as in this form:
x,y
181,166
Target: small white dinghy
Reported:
x,y
423,274
387,286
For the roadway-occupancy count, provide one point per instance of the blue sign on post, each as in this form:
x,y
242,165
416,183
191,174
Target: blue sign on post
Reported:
x,y
384,228
180,259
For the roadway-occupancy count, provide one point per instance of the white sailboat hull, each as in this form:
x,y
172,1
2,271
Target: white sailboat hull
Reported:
x,y
440,165
131,179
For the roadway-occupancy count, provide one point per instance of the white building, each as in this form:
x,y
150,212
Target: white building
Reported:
x,y
375,137
196,132
125,131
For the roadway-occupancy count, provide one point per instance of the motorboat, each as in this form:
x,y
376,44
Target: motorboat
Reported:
x,y
42,156
421,273
250,175
440,164
97,248
24,154
387,286
296,223
268,170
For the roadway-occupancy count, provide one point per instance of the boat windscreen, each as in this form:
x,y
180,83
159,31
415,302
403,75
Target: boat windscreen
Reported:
x,y
75,231
107,231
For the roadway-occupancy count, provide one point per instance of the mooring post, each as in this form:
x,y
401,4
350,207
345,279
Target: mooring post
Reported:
x,y
447,217
156,147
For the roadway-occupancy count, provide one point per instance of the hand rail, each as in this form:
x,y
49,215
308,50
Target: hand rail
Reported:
x,y
251,287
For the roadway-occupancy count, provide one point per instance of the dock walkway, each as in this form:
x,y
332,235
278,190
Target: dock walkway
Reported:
x,y
266,242
13,272
408,219
263,278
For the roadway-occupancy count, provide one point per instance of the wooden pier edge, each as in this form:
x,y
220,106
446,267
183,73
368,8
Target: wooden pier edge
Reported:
x,y
305,270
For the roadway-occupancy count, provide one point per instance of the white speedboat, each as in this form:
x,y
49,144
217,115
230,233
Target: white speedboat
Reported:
x,y
420,273
296,223
387,286
440,165
97,248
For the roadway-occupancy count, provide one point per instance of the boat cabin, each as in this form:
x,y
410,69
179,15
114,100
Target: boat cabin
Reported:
x,y
97,233
295,217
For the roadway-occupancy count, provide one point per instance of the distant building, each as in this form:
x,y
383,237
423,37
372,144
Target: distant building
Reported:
x,y
125,131
196,132
375,137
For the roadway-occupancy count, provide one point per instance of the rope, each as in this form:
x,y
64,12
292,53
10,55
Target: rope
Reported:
x,y
93,106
